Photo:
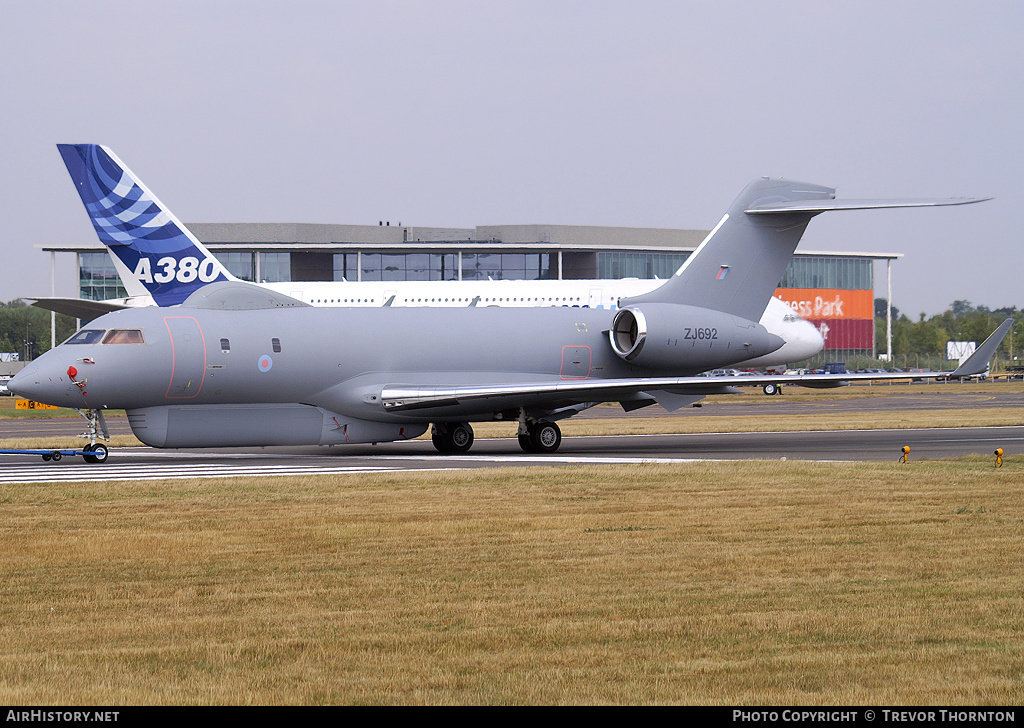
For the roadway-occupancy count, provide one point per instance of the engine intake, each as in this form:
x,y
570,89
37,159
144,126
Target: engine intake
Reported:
x,y
676,336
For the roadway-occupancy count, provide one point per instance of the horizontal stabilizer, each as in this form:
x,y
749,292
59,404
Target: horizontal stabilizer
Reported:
x,y
80,308
815,206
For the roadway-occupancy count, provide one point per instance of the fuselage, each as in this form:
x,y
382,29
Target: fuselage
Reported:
x,y
802,339
339,358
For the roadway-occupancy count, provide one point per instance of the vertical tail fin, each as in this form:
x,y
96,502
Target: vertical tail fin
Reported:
x,y
153,251
740,263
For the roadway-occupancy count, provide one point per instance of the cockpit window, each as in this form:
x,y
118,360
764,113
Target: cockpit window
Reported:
x,y
86,336
124,336
114,336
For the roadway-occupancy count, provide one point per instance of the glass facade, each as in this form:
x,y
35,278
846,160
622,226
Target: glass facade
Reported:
x,y
440,266
825,272
802,272
98,279
275,267
614,264
507,266
240,265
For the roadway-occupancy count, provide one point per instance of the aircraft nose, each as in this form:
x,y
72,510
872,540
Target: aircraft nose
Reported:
x,y
36,383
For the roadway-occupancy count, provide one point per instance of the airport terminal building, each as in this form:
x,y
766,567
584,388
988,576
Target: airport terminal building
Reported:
x,y
835,291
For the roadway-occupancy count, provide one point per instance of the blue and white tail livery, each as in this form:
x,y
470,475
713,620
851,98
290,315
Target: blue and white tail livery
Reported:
x,y
154,253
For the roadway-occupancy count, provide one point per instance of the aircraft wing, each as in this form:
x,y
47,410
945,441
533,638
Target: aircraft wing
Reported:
x,y
560,393
666,390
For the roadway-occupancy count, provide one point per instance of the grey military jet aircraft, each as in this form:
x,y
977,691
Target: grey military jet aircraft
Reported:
x,y
238,365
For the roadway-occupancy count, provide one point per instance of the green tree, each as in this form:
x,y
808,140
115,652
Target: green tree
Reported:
x,y
26,329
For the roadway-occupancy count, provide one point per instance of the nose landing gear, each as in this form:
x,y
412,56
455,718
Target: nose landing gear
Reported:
x,y
95,452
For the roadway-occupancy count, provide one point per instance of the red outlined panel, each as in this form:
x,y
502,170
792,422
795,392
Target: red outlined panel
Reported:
x,y
576,361
188,357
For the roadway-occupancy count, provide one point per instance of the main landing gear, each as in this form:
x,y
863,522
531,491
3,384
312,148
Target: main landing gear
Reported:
x,y
535,436
539,436
452,438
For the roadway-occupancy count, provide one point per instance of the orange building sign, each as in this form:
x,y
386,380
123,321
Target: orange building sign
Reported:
x,y
845,318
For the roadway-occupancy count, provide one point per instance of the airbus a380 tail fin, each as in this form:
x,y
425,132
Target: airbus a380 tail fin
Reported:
x,y
153,252
753,243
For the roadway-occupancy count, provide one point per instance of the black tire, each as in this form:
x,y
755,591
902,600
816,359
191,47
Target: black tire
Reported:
x,y
545,437
452,438
461,437
98,455
55,456
524,442
771,389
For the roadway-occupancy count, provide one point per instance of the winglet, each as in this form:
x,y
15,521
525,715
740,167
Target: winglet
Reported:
x,y
977,362
154,253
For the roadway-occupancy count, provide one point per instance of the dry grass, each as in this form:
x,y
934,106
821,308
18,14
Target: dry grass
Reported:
x,y
747,583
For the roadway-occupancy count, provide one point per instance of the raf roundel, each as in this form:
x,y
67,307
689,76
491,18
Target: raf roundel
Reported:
x,y
265,363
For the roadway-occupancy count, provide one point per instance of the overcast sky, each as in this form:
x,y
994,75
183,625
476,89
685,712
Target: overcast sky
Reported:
x,y
454,113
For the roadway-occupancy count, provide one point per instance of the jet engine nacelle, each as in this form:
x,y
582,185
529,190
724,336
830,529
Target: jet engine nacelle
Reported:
x,y
675,336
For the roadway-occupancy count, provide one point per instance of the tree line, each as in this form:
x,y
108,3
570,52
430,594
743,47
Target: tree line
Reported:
x,y
25,330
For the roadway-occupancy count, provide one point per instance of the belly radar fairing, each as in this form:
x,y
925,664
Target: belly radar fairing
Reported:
x,y
235,364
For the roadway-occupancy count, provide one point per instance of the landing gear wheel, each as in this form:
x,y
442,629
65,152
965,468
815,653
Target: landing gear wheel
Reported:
x,y
524,442
95,454
771,389
545,437
452,438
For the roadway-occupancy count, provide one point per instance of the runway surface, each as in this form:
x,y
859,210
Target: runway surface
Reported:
x,y
829,445
845,445
145,463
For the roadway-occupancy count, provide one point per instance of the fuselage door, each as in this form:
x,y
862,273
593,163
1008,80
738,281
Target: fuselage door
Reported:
x,y
188,357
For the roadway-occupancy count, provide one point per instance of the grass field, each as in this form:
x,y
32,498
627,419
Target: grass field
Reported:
x,y
758,583
755,583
